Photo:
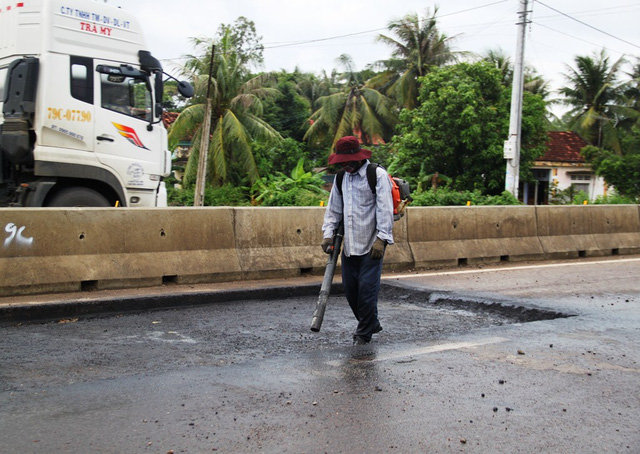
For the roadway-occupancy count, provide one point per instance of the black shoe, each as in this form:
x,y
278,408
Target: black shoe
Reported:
x,y
357,340
377,329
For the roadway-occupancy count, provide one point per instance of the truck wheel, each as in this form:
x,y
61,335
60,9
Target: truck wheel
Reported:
x,y
78,197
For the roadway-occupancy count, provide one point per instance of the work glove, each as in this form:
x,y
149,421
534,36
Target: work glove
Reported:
x,y
327,245
377,251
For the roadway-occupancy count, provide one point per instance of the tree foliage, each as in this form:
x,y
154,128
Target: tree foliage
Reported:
x,y
417,48
460,127
301,188
533,82
289,112
455,119
448,197
236,116
226,195
606,114
354,110
243,40
593,93
620,170
280,157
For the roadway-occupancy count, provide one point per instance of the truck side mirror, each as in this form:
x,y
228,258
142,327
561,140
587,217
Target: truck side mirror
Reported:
x,y
185,89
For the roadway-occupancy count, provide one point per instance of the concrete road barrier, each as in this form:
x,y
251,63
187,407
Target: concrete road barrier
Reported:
x,y
450,236
278,242
399,255
285,242
57,250
592,230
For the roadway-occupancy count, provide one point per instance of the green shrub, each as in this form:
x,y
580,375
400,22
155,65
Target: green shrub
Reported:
x,y
223,196
448,197
300,189
179,197
293,197
506,198
615,199
568,196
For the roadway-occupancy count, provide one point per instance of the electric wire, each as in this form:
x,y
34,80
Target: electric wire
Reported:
x,y
599,12
277,45
587,25
296,43
574,37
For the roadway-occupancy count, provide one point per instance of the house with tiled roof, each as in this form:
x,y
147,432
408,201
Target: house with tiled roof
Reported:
x,y
561,167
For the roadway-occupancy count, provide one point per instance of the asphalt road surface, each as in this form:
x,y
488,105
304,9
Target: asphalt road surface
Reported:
x,y
538,357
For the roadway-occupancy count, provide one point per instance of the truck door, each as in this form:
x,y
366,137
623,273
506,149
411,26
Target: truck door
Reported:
x,y
125,140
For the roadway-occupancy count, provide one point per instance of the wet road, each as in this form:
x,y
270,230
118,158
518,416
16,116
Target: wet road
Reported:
x,y
461,366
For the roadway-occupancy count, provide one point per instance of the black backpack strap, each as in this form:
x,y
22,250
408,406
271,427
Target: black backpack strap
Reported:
x,y
372,177
339,178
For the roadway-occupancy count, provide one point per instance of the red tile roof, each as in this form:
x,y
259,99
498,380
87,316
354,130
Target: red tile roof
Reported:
x,y
168,118
564,146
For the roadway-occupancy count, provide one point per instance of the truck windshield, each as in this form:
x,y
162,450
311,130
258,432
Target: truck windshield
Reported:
x,y
127,95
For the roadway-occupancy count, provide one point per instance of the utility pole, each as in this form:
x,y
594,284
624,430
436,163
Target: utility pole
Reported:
x,y
512,144
198,197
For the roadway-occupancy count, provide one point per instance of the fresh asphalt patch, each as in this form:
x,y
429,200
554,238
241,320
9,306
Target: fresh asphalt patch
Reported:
x,y
222,329
519,312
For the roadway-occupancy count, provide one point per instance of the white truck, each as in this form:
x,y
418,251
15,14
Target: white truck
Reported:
x,y
80,107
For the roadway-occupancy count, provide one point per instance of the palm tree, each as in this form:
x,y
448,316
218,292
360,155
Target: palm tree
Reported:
x,y
632,89
419,46
533,82
354,110
313,87
235,116
631,98
594,94
503,63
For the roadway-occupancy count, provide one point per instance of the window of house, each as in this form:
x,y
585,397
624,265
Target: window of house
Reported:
x,y
581,182
541,174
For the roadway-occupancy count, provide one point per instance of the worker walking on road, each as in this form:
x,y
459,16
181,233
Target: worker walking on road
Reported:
x,y
368,229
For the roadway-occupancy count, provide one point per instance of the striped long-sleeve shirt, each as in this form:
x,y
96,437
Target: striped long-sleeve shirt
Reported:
x,y
366,216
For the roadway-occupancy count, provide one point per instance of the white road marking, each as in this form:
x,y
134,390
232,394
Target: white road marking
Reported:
x,y
513,268
437,348
169,337
396,355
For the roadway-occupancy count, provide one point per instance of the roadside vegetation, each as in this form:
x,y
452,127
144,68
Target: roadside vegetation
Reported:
x,y
431,115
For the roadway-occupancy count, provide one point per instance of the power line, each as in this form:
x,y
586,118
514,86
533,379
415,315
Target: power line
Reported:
x,y
600,11
587,25
296,43
474,8
571,36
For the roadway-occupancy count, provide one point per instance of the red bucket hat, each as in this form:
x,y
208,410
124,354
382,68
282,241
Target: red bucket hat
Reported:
x,y
348,149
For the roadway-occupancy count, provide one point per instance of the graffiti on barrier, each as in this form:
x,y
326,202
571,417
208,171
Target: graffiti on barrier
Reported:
x,y
15,236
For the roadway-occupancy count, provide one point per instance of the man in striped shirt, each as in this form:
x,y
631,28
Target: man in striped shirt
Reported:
x,y
368,229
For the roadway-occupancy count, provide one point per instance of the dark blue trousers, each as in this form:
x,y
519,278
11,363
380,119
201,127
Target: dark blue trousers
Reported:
x,y
361,280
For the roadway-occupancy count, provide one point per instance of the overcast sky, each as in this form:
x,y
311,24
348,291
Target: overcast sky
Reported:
x,y
311,35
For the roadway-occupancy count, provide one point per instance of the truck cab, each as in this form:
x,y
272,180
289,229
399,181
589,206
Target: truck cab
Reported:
x,y
80,107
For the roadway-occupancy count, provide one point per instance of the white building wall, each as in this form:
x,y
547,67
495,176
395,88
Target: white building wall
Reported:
x,y
581,178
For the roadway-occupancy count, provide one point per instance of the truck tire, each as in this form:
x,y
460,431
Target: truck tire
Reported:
x,y
78,197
